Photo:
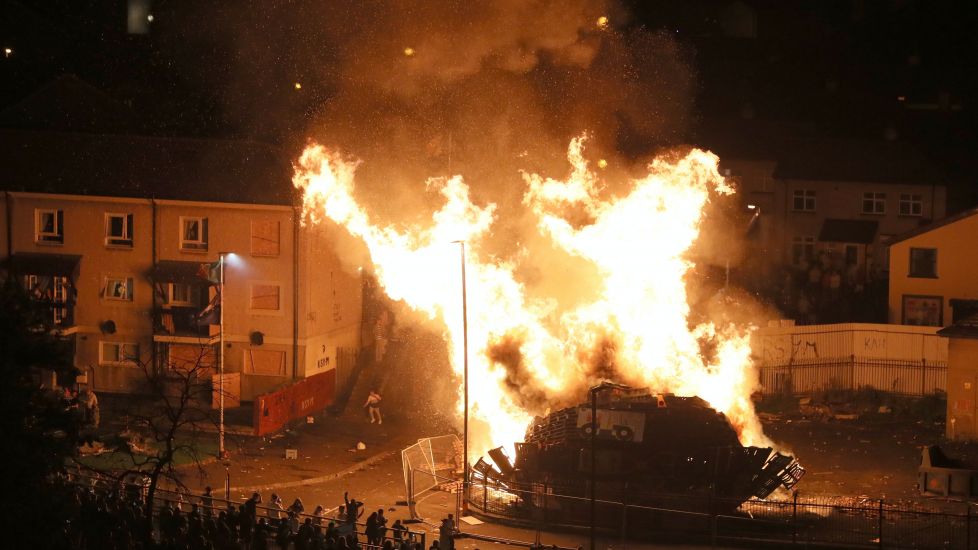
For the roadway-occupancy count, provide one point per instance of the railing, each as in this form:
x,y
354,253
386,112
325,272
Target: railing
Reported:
x,y
216,505
892,358
180,321
790,521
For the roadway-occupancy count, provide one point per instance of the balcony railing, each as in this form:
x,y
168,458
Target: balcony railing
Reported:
x,y
180,321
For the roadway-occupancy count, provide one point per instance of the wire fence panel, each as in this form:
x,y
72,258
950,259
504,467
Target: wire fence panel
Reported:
x,y
429,463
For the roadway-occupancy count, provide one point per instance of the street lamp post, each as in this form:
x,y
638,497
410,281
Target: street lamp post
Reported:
x,y
465,380
220,368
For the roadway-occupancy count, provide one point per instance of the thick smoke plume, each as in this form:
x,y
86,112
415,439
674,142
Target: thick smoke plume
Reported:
x,y
487,90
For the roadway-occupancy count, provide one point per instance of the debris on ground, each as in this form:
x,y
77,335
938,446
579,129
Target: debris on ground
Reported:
x,y
92,448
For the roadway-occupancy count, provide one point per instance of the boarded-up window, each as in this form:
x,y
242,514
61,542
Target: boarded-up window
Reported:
x,y
264,362
199,359
265,238
265,297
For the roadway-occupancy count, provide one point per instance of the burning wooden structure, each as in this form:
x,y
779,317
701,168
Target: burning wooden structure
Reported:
x,y
647,449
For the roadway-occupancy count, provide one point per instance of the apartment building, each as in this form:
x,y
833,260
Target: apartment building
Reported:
x,y
112,231
126,279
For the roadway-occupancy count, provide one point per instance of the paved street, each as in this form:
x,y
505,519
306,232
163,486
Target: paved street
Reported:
x,y
326,468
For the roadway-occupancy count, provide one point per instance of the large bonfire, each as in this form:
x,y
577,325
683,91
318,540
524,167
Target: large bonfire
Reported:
x,y
527,352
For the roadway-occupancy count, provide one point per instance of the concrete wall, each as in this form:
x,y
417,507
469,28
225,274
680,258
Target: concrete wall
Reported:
x,y
957,267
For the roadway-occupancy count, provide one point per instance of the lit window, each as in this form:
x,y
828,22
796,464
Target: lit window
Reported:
x,y
802,248
118,353
874,203
193,233
49,225
118,230
803,200
118,288
911,204
923,263
265,297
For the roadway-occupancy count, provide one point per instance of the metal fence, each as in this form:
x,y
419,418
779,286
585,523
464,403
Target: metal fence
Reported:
x,y
791,521
136,491
431,462
893,358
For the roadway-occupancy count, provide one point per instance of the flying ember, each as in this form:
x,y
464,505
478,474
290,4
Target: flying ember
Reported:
x,y
530,353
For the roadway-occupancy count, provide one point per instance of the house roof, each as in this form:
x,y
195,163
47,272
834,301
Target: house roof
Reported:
x,y
848,231
854,160
965,328
933,225
68,103
145,167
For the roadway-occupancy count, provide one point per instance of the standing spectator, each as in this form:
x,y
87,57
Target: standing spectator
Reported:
x,y
251,506
373,407
207,501
370,530
397,531
297,506
278,511
446,533
318,515
381,525
90,409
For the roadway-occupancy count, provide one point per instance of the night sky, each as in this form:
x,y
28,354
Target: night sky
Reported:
x,y
850,69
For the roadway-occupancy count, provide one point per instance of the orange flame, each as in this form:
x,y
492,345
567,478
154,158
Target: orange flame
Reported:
x,y
637,243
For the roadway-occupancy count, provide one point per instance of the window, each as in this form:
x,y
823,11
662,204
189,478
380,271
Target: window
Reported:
x,y
265,238
927,311
911,204
118,288
179,294
923,262
265,297
802,248
193,233
874,203
51,289
118,353
804,200
49,226
118,230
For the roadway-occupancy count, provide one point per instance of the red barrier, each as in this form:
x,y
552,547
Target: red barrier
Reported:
x,y
276,409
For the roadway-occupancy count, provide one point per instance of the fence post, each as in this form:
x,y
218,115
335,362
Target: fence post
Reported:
x,y
485,495
794,518
967,528
545,505
923,377
852,372
880,527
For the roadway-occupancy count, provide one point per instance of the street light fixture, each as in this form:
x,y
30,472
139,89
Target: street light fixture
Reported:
x,y
593,394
